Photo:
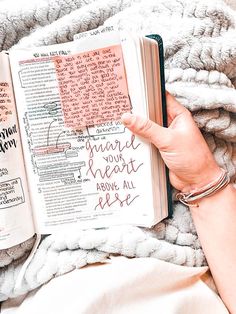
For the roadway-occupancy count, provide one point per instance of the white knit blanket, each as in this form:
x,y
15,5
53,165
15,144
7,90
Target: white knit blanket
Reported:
x,y
200,62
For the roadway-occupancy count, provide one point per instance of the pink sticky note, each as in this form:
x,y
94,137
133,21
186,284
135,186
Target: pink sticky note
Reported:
x,y
93,87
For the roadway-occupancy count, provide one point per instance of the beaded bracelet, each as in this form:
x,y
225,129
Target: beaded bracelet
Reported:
x,y
187,197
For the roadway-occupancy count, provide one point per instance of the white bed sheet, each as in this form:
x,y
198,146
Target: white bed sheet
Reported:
x,y
122,286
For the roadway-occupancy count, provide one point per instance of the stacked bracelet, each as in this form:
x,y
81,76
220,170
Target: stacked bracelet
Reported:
x,y
209,189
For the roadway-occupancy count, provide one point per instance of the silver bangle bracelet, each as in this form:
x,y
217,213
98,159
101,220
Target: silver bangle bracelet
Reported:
x,y
187,197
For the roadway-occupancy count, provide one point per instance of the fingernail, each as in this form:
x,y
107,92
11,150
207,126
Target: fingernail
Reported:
x,y
127,118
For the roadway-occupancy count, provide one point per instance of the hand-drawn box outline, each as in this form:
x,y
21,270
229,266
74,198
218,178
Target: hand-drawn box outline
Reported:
x,y
21,190
104,134
20,71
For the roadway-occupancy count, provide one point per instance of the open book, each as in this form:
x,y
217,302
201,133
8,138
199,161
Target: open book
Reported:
x,y
65,158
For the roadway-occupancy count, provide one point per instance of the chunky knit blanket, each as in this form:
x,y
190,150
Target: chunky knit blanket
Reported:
x,y
200,62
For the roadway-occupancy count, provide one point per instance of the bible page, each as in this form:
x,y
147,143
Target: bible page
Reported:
x,y
83,165
16,223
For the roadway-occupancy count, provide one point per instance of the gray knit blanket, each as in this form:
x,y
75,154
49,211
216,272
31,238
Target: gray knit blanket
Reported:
x,y
200,70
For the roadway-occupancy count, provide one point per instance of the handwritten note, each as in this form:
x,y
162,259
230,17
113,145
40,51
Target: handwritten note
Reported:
x,y
114,171
6,98
8,138
11,193
93,87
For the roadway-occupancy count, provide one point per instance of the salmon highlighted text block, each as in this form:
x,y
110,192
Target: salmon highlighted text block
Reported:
x,y
93,87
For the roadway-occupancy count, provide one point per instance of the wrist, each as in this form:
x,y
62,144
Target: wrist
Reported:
x,y
228,189
192,197
212,203
202,178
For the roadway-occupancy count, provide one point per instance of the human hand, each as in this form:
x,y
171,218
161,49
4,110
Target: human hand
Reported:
x,y
181,146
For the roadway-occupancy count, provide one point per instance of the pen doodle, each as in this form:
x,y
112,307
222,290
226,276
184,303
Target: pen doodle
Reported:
x,y
51,148
117,200
52,108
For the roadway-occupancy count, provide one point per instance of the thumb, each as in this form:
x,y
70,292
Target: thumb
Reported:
x,y
147,129
174,108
